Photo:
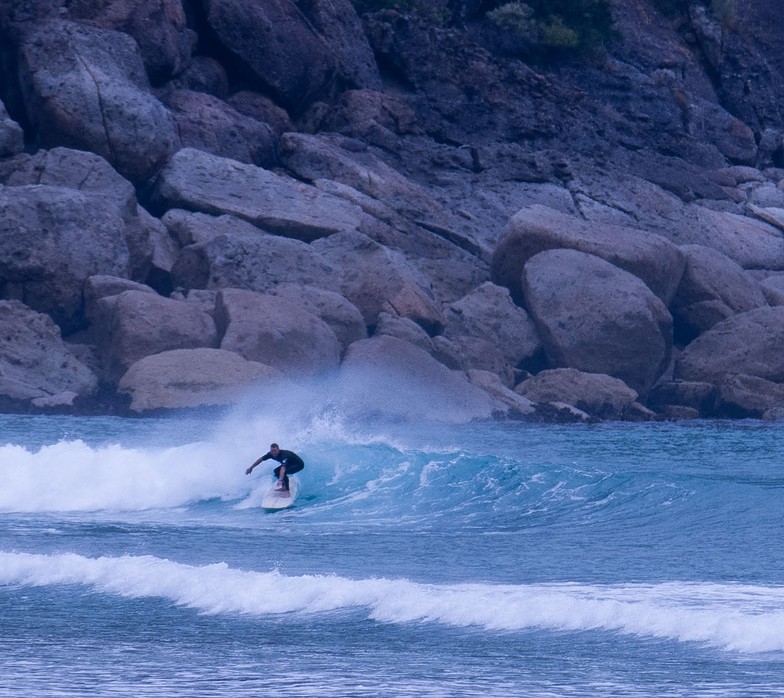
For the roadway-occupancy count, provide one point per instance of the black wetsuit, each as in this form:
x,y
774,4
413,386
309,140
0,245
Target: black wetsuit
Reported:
x,y
290,459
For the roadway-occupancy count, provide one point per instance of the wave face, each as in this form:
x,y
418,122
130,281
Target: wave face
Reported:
x,y
645,554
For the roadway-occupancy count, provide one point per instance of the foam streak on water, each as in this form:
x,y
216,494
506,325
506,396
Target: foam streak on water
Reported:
x,y
738,618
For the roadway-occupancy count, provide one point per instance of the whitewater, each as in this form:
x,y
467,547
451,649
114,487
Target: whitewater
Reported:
x,y
421,559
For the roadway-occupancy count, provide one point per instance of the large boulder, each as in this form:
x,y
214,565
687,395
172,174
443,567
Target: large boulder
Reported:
x,y
159,27
338,21
489,313
292,60
187,378
537,228
342,316
740,395
713,288
34,361
198,181
751,243
599,395
138,324
227,252
387,377
377,279
208,123
151,250
597,318
73,169
104,286
86,88
51,240
275,331
748,343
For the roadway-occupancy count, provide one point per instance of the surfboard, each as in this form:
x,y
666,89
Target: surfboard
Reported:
x,y
276,499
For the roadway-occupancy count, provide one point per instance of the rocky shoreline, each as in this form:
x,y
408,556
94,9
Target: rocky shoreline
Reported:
x,y
200,199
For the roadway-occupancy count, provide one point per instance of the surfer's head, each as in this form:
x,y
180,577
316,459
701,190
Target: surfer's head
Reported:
x,y
274,448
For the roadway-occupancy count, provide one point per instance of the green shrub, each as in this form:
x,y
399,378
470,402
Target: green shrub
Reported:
x,y
555,26
555,34
515,18
724,11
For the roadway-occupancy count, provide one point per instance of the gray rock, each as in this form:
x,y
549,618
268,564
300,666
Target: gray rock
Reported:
x,y
488,313
210,124
51,240
65,399
227,252
152,250
293,60
11,134
712,289
361,113
86,88
337,21
139,324
405,329
476,353
741,395
34,361
488,381
203,74
678,413
768,214
751,243
338,159
263,109
199,181
377,279
774,414
598,395
597,318
342,316
711,122
159,27
692,394
187,378
748,343
535,229
276,332
73,169
104,286
766,195
773,288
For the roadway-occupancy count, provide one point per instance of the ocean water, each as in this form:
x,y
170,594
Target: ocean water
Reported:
x,y
420,559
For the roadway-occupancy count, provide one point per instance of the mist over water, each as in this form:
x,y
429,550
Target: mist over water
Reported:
x,y
645,554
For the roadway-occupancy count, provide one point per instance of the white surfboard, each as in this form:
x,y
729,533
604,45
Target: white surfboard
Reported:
x,y
276,499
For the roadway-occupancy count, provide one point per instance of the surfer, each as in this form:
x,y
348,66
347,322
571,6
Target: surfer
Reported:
x,y
290,463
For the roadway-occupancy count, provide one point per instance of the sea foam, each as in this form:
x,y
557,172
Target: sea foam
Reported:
x,y
74,476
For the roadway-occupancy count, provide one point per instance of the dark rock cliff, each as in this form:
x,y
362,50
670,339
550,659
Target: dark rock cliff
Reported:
x,y
275,189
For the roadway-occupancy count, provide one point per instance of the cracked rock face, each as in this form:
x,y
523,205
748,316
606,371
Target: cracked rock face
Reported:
x,y
86,88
